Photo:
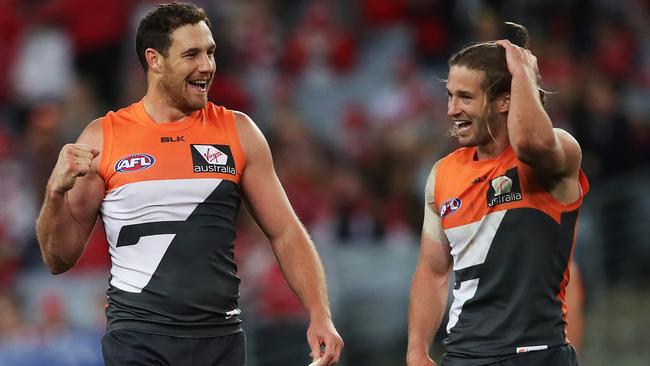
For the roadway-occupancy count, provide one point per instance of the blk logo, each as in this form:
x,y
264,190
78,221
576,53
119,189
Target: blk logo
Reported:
x,y
172,139
134,162
213,159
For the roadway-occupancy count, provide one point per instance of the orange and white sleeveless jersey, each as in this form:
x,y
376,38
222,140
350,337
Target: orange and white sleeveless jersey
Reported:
x,y
511,244
172,196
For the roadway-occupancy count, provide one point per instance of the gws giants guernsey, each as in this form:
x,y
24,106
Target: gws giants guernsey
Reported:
x,y
511,244
172,195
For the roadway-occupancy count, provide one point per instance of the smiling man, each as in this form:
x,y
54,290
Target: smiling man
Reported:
x,y
166,176
501,213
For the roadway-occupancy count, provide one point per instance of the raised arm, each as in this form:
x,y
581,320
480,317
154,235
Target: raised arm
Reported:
x,y
73,196
553,154
430,284
291,244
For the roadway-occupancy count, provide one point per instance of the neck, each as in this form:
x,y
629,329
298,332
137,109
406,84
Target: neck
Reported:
x,y
491,150
159,108
495,146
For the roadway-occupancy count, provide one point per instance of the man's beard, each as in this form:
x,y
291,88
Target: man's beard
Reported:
x,y
177,99
483,129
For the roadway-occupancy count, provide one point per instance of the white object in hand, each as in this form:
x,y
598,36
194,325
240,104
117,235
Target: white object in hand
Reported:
x,y
315,363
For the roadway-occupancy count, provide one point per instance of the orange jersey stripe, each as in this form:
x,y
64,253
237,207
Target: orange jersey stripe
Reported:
x,y
205,144
476,182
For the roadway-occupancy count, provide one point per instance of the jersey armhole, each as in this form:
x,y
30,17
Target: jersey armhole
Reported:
x,y
107,146
436,181
238,151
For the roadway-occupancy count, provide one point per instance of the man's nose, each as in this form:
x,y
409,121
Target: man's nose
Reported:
x,y
206,64
452,107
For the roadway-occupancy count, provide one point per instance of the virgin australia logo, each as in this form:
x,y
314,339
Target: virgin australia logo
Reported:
x,y
505,188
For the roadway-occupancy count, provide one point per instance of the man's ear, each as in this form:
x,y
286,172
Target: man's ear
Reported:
x,y
154,60
503,103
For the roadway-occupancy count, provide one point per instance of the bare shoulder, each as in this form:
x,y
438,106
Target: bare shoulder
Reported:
x,y
430,185
243,122
565,186
93,134
251,138
565,137
572,152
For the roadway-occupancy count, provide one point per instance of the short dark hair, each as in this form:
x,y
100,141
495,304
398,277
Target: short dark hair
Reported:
x,y
157,26
490,58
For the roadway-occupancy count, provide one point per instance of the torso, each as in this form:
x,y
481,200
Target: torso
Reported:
x,y
172,195
511,243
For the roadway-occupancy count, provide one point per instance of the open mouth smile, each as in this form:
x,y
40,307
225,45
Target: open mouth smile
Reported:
x,y
462,126
198,85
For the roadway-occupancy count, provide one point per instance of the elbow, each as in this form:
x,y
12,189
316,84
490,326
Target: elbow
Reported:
x,y
55,265
57,269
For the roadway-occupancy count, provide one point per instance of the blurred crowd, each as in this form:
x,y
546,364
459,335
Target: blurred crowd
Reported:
x,y
350,95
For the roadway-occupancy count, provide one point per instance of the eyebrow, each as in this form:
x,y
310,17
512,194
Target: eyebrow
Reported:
x,y
461,93
188,51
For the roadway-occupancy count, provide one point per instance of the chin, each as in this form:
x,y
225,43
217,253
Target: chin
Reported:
x,y
196,104
466,141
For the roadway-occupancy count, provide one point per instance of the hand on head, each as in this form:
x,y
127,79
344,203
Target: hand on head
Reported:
x,y
520,60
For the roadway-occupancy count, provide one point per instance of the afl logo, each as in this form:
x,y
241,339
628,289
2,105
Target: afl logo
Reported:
x,y
450,206
134,162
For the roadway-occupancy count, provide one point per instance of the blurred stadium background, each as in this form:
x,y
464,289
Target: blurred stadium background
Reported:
x,y
349,95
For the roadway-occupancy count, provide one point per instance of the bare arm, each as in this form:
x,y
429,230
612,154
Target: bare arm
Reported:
x,y
553,154
291,244
429,287
73,196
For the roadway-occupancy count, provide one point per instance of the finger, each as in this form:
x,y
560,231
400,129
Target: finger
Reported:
x,y
337,347
90,150
81,170
504,43
338,350
84,161
332,350
314,345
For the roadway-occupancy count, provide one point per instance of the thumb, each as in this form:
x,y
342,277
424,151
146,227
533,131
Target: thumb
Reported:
x,y
95,152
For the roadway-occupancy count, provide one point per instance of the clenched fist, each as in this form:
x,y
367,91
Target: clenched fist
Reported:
x,y
74,161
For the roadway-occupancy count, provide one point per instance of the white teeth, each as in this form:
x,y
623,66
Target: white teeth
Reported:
x,y
203,84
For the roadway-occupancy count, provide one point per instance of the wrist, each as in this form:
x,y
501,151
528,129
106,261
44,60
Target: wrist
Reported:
x,y
524,73
54,192
417,348
320,314
413,355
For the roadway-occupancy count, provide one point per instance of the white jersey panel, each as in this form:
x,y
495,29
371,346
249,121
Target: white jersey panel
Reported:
x,y
147,202
466,291
470,243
